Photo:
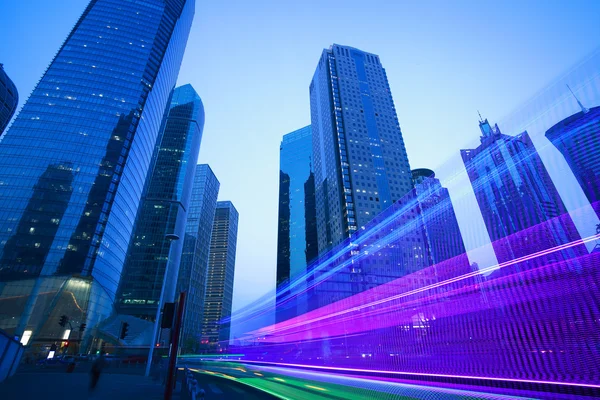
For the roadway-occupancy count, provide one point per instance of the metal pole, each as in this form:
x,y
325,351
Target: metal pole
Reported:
x,y
174,348
171,238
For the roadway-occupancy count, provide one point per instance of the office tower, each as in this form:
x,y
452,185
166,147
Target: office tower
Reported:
x,y
578,139
219,280
81,148
163,212
297,236
9,98
360,161
439,220
521,208
196,246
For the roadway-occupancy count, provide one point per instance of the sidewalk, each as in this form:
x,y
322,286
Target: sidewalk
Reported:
x,y
74,386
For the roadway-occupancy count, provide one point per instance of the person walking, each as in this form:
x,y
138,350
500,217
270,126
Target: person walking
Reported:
x,y
97,367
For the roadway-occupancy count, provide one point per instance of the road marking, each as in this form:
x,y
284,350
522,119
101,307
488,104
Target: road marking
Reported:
x,y
214,388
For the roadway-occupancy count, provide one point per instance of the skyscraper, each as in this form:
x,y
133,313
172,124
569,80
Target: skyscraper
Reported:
x,y
219,281
578,139
163,212
439,220
297,236
92,121
518,200
360,161
9,99
196,246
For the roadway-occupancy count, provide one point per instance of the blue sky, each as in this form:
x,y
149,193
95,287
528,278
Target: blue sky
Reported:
x,y
252,62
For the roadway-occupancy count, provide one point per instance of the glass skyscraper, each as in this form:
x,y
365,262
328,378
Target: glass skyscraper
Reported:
x,y
360,162
219,280
578,139
9,99
194,260
164,209
74,163
518,200
297,234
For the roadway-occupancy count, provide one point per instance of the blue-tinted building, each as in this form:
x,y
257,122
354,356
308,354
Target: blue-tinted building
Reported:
x,y
297,233
517,198
196,247
74,163
9,99
163,212
578,139
219,280
444,240
360,162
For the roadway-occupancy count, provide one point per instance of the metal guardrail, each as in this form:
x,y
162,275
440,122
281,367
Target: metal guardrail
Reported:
x,y
190,388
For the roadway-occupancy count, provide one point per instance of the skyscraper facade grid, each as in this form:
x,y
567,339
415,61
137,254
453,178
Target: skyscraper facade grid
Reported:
x,y
9,99
194,259
163,213
84,140
219,280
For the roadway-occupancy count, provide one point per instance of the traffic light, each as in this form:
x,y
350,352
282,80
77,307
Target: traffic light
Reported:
x,y
82,327
124,329
63,320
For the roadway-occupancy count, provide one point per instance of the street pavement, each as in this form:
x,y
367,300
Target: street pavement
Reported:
x,y
55,384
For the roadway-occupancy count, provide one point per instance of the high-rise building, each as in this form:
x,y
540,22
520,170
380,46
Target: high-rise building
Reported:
x,y
9,99
439,220
163,212
360,161
297,234
578,139
196,246
77,157
219,280
518,200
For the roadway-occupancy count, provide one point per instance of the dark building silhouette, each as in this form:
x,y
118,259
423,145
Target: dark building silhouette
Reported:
x,y
9,99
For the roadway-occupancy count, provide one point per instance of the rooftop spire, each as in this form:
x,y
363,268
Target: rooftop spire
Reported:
x,y
583,109
480,118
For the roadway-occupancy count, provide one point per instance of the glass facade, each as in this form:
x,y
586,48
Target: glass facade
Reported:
x,y
196,247
219,280
297,240
513,199
9,99
578,139
74,162
163,212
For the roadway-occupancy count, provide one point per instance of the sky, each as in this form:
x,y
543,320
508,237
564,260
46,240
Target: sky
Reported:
x,y
252,62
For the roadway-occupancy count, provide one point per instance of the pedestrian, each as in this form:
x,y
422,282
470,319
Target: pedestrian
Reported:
x,y
97,367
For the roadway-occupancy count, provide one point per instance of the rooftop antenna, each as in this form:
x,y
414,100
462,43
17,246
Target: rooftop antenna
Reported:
x,y
583,109
480,119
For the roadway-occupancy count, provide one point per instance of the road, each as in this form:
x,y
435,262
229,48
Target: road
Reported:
x,y
295,384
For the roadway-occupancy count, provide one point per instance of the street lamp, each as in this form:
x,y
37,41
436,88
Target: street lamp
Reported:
x,y
171,237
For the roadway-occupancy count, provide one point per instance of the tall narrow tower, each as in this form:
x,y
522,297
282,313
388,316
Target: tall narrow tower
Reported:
x,y
360,161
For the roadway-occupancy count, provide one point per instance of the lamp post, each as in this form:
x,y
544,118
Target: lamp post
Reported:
x,y
171,237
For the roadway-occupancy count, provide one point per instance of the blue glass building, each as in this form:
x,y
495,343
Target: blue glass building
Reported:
x,y
219,280
578,139
516,195
297,234
196,246
9,99
74,163
163,212
444,240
